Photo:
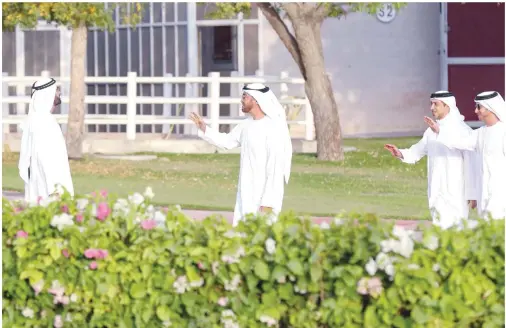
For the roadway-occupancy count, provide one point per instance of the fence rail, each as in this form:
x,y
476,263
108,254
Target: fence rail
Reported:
x,y
131,100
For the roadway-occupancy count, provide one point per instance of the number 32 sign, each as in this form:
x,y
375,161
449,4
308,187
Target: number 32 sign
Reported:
x,y
386,13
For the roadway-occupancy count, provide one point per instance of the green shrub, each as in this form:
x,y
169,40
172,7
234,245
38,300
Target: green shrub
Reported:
x,y
106,262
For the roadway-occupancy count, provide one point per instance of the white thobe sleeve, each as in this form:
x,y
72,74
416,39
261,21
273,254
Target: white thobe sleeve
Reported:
x,y
223,140
414,153
459,142
274,183
470,175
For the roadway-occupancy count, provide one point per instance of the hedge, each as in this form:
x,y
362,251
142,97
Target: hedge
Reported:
x,y
100,261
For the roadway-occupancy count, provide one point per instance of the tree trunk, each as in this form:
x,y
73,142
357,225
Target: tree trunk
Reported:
x,y
75,124
319,90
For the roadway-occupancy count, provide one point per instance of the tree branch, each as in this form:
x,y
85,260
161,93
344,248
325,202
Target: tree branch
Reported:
x,y
283,32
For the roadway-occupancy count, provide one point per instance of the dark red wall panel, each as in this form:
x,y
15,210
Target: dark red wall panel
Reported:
x,y
476,29
466,81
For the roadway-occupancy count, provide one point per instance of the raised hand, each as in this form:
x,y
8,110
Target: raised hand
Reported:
x,y
393,150
199,122
432,124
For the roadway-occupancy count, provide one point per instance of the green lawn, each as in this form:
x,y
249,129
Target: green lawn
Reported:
x,y
369,180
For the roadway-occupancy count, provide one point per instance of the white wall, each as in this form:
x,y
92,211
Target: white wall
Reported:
x,y
382,73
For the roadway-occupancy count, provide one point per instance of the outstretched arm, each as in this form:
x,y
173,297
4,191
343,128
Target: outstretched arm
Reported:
x,y
414,153
222,140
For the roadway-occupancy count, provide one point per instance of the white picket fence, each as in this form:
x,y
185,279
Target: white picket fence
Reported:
x,y
131,119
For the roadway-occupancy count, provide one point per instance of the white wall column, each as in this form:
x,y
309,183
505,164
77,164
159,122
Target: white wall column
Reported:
x,y
65,45
193,61
240,44
20,67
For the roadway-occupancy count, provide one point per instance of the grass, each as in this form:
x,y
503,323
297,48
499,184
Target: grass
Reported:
x,y
368,180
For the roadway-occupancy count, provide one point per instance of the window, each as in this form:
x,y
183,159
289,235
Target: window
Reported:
x,y
222,43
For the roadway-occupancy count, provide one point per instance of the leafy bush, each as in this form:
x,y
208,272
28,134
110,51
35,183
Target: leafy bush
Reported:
x,y
99,261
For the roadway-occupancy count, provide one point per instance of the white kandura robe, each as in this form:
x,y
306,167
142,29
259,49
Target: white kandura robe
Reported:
x,y
452,179
49,164
489,142
261,175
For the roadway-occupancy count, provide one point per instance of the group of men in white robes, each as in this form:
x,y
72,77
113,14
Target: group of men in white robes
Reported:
x,y
465,167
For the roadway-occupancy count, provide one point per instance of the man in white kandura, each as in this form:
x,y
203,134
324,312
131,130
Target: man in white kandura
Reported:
x,y
43,160
489,142
266,151
451,174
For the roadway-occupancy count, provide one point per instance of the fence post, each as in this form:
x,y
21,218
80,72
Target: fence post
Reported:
x,y
190,91
235,91
309,126
167,108
283,87
214,93
5,106
45,74
131,105
259,73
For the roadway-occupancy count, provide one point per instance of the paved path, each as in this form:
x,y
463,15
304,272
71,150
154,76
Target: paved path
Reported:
x,y
200,215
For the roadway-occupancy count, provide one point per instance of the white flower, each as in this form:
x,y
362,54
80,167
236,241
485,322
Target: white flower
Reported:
x,y
148,193
292,278
59,189
43,314
44,202
389,245
150,209
167,323
431,243
121,208
81,204
413,266
181,285
382,260
270,245
62,220
28,313
227,314
371,267
232,285
81,229
338,221
298,290
222,301
324,226
93,210
37,287
435,267
178,208
73,298
282,279
58,321
270,322
390,270
407,246
197,283
68,317
136,198
400,232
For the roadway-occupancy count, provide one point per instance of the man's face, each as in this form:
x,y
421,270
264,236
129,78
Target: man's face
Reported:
x,y
439,109
57,99
247,102
481,112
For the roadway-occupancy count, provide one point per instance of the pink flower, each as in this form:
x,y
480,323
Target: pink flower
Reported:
x,y
375,287
21,234
362,286
39,199
79,217
148,224
17,210
65,208
93,194
103,211
103,193
200,266
37,287
93,253
93,265
58,321
65,253
222,301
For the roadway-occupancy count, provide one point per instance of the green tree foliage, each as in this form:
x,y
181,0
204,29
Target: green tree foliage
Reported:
x,y
305,46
